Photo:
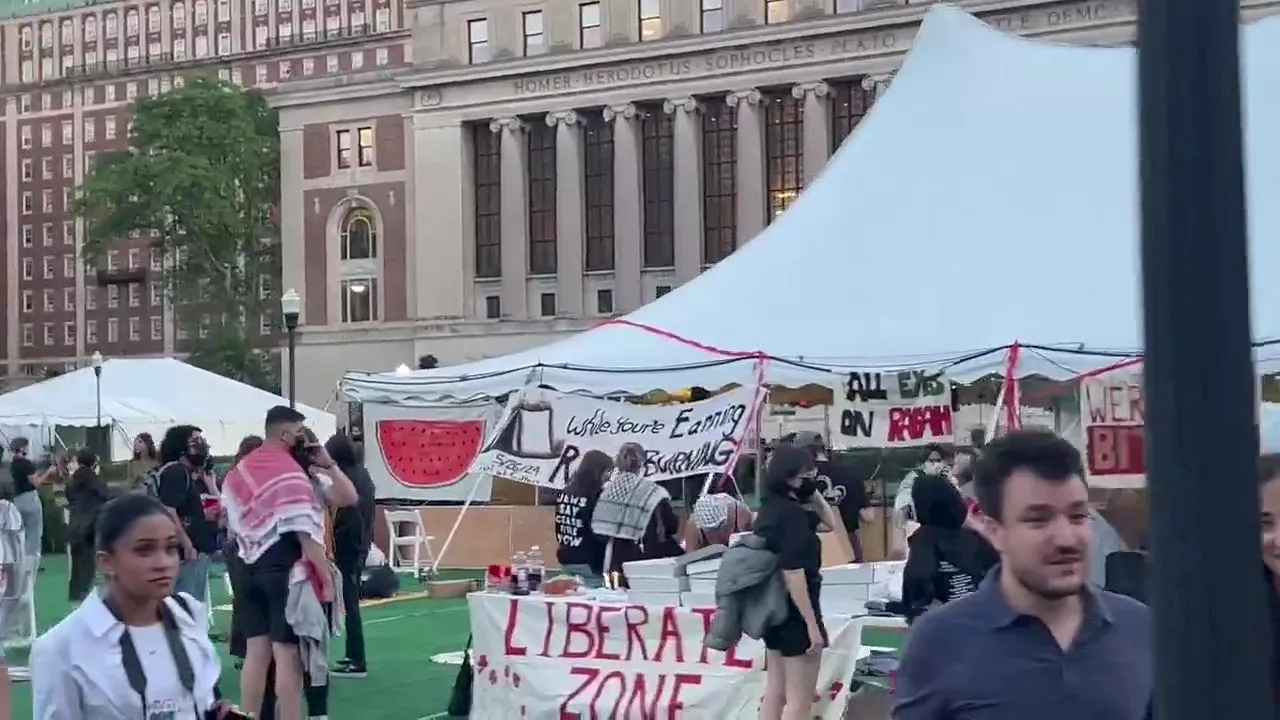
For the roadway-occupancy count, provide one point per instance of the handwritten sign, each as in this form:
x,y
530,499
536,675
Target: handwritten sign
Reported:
x,y
1113,415
544,434
553,657
892,409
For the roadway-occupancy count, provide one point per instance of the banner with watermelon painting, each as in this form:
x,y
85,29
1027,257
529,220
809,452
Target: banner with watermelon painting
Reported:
x,y
543,434
423,453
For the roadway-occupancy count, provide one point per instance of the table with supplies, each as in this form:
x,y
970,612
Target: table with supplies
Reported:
x,y
640,652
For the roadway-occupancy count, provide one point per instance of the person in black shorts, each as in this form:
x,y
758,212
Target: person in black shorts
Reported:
x,y
791,514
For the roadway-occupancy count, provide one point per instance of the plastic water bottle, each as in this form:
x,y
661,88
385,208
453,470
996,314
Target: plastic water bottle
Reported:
x,y
520,574
537,569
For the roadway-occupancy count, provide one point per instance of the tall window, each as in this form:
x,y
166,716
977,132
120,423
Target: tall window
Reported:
x,y
650,20
365,150
712,16
848,6
719,180
784,151
488,192
359,236
776,11
344,149
598,177
542,198
359,300
659,178
849,104
478,40
589,25
535,40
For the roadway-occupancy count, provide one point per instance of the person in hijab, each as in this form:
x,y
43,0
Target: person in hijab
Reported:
x,y
1269,502
716,518
945,559
634,514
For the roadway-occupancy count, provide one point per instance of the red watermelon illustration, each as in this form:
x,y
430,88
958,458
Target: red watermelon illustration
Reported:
x,y
429,453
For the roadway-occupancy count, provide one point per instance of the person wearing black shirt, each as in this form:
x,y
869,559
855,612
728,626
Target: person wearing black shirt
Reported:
x,y
791,514
87,492
945,559
26,496
182,483
580,551
352,536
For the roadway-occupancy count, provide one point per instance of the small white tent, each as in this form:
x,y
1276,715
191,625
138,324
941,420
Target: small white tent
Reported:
x,y
990,197
147,395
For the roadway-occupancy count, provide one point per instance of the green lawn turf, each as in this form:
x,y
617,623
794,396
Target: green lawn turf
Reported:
x,y
401,637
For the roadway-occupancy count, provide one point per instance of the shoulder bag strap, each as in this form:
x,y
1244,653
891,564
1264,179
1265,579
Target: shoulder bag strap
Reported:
x,y
133,670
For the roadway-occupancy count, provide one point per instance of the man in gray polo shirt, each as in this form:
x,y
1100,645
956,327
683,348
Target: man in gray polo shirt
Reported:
x,y
1037,641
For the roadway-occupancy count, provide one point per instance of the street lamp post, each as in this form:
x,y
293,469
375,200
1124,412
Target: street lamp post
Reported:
x,y
95,361
291,308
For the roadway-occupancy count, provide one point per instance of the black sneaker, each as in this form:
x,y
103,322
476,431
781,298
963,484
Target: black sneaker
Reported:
x,y
346,668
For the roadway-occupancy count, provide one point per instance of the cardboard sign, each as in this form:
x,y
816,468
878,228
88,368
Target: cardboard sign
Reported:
x,y
1113,417
542,657
892,409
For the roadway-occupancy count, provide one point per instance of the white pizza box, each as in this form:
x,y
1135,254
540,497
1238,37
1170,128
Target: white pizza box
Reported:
x,y
657,568
653,599
849,574
657,584
702,585
703,568
841,605
888,570
852,592
697,600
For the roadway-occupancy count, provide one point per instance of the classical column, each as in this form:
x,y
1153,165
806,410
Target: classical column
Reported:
x,y
751,163
570,202
687,133
877,84
628,207
817,127
515,218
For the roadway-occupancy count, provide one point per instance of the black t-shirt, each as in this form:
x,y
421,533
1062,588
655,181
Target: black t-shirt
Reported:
x,y
180,491
578,545
844,491
791,532
22,471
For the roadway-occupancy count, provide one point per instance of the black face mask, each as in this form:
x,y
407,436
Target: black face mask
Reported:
x,y
806,489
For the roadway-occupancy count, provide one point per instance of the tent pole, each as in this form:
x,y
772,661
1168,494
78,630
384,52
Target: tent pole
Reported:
x,y
457,522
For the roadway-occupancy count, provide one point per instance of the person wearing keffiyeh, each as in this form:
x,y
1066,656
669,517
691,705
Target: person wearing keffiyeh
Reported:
x,y
716,517
278,520
634,514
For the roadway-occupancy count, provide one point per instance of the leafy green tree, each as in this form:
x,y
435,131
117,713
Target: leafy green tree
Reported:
x,y
202,180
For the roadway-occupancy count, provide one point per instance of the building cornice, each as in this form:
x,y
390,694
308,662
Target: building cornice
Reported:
x,y
436,329
342,88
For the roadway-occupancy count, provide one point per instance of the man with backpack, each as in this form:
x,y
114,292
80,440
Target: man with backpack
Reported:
x,y
181,483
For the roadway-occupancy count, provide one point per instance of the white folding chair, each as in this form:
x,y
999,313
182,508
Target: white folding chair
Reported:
x,y
407,532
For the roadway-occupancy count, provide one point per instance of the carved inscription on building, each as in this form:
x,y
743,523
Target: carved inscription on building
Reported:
x,y
1062,16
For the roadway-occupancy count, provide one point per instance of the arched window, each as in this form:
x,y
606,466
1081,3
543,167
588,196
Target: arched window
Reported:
x,y
153,18
131,22
111,25
179,14
359,236
26,37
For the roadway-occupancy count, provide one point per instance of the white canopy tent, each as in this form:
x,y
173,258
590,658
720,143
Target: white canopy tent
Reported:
x,y
990,197
146,395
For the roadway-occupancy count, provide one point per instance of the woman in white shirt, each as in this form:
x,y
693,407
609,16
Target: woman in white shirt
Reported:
x,y
132,649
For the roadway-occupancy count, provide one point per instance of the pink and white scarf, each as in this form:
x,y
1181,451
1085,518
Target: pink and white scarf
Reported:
x,y
266,496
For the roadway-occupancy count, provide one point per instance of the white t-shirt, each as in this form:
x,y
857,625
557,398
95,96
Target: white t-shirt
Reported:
x,y
166,698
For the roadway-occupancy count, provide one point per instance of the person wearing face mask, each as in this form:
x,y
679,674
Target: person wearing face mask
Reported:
x,y
181,482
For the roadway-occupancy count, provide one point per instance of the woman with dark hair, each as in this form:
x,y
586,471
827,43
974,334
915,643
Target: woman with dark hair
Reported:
x,y
87,492
134,649
946,560
352,536
145,458
1269,497
634,514
792,512
580,551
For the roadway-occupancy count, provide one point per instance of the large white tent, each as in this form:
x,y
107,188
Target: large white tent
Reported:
x,y
990,197
146,395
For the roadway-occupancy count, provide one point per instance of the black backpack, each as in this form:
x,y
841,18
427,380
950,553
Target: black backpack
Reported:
x,y
151,481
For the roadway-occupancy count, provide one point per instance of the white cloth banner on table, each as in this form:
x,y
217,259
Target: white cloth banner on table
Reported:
x,y
544,658
543,435
892,409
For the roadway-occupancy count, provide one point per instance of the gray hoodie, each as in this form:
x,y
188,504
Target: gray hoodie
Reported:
x,y
750,594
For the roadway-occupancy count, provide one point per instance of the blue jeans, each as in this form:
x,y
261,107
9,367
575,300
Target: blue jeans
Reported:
x,y
193,578
32,512
589,577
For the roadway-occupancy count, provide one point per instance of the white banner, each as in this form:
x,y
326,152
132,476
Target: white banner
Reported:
x,y
542,658
423,453
544,433
1113,420
892,409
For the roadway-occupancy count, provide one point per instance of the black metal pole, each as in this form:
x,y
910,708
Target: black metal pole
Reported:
x,y
293,382
1202,443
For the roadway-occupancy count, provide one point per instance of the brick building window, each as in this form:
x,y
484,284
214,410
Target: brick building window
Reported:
x,y
657,158
344,149
719,180
783,152
598,192
488,193
359,236
359,300
542,198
